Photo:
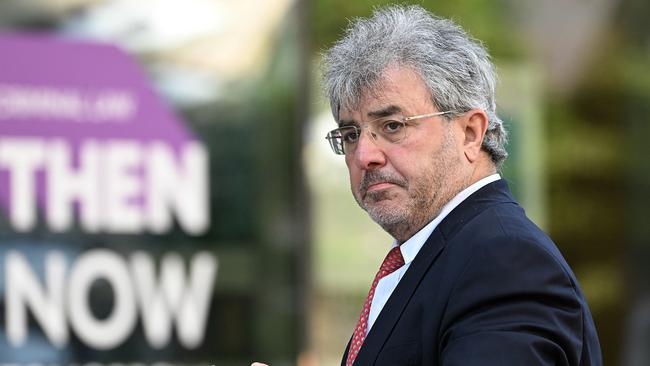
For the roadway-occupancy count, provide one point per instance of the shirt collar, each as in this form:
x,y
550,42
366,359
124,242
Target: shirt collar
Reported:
x,y
411,247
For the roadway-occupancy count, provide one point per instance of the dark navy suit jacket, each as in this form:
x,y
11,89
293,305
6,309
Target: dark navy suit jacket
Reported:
x,y
487,288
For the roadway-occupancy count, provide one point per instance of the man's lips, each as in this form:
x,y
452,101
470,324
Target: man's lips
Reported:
x,y
375,181
377,189
379,186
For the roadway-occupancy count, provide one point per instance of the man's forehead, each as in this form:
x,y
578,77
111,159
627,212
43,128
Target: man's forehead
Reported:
x,y
375,101
398,90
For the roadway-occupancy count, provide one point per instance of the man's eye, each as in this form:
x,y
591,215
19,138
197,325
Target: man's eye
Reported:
x,y
392,126
350,136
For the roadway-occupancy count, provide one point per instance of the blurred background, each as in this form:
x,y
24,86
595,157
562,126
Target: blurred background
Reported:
x,y
295,254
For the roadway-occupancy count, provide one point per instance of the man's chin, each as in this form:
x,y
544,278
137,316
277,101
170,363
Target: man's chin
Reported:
x,y
387,216
382,203
382,207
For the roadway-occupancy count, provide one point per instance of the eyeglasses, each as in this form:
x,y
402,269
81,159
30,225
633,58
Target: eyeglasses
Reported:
x,y
343,140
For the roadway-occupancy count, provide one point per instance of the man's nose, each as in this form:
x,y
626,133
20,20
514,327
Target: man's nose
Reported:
x,y
368,154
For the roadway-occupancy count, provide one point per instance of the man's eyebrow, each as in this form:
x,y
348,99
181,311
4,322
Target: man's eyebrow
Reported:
x,y
384,112
344,123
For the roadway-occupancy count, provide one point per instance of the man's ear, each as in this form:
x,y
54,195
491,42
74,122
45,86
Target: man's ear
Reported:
x,y
474,125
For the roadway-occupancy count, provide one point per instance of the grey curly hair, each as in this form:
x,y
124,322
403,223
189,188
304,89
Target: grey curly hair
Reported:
x,y
455,68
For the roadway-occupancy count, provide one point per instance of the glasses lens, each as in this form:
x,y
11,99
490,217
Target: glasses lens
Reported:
x,y
343,139
336,141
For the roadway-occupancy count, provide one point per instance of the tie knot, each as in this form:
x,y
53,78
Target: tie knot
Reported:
x,y
392,262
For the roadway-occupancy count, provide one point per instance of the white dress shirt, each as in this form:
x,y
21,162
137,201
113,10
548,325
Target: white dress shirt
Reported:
x,y
411,247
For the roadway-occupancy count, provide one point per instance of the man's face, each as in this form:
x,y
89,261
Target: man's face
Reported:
x,y
404,185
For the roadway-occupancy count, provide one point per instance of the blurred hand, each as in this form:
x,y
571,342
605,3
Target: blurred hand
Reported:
x,y
258,364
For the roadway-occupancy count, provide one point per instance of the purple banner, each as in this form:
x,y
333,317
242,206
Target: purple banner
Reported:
x,y
83,136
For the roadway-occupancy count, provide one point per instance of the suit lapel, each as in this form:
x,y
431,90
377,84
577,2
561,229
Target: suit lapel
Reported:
x,y
395,305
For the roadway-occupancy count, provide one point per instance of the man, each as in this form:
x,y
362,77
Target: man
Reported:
x,y
470,280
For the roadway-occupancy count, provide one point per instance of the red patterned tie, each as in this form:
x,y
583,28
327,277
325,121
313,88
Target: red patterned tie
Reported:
x,y
392,262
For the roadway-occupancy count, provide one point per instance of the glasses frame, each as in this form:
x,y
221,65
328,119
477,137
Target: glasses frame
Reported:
x,y
339,147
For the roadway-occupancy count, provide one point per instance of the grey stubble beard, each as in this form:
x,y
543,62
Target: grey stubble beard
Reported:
x,y
426,195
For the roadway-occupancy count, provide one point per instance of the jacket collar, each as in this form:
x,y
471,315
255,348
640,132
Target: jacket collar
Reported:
x,y
489,195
